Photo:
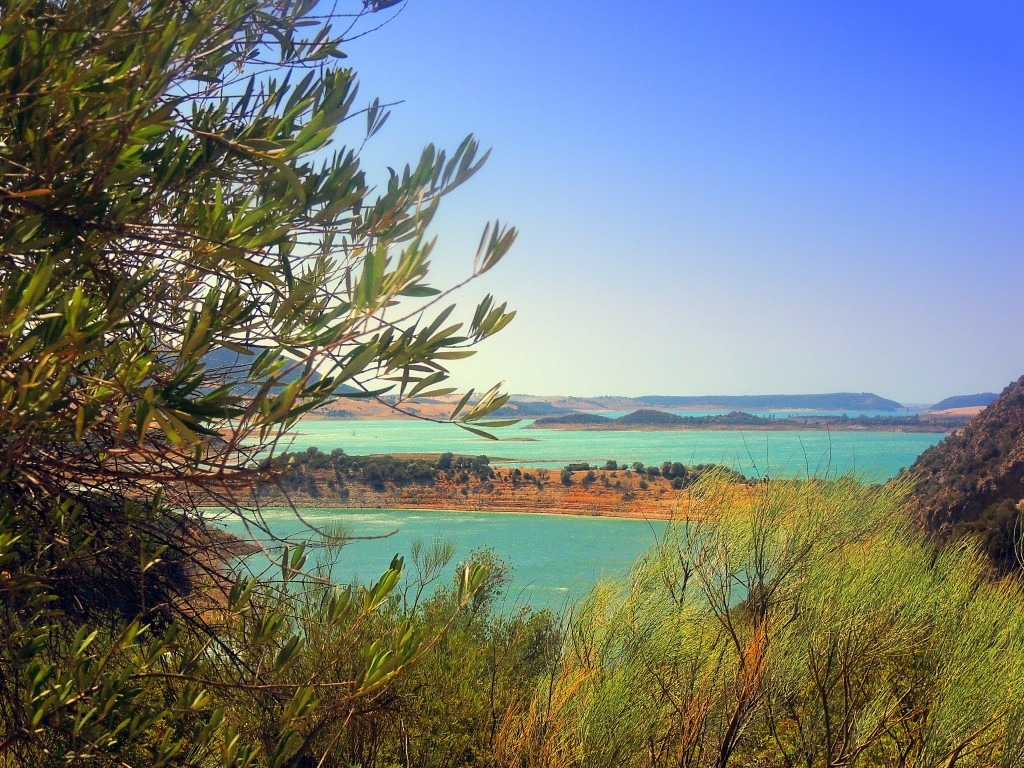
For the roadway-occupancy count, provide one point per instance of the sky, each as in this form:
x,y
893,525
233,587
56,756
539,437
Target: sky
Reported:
x,y
725,198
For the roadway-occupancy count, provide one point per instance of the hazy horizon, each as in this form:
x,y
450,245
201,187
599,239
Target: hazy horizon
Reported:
x,y
740,394
710,395
800,197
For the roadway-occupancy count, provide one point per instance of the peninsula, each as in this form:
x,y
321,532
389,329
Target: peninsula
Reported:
x,y
313,478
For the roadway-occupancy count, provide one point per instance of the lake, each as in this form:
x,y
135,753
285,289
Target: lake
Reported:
x,y
873,455
557,558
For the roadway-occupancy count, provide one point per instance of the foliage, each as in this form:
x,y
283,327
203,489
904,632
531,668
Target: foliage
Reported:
x,y
472,666
579,466
998,531
171,199
305,471
810,628
971,482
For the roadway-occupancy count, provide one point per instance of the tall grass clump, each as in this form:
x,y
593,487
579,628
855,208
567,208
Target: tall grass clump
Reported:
x,y
798,623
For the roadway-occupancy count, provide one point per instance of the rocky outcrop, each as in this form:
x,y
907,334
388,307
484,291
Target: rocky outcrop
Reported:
x,y
973,471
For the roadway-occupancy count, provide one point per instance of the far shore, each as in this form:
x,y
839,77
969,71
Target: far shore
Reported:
x,y
649,420
970,411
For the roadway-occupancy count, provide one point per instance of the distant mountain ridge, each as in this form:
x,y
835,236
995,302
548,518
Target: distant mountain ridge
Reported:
x,y
526,406
834,401
649,418
965,401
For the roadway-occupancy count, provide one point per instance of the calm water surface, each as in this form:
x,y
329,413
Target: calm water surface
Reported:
x,y
873,455
558,558
555,558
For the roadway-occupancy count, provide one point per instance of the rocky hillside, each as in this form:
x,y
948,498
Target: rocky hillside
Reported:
x,y
973,481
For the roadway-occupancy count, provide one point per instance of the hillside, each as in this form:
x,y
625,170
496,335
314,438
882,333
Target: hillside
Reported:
x,y
965,401
648,419
581,419
973,480
835,401
533,406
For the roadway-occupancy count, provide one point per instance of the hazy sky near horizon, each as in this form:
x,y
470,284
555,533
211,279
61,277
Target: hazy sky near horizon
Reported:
x,y
726,198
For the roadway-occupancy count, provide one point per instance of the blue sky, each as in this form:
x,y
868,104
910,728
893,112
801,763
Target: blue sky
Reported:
x,y
727,198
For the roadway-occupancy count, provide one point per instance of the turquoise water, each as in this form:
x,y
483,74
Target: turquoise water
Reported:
x,y
873,455
555,558
558,558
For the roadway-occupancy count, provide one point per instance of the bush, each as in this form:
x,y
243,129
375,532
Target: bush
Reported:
x,y
808,627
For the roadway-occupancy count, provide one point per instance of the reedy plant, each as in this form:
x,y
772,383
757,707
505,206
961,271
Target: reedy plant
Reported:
x,y
806,625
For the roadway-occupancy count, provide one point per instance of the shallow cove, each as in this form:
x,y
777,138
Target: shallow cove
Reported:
x,y
555,558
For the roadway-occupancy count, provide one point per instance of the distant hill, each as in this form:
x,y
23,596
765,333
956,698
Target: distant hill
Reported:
x,y
965,401
524,406
650,419
584,419
972,482
517,409
836,401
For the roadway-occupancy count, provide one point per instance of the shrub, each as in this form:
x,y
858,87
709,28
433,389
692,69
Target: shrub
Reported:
x,y
806,627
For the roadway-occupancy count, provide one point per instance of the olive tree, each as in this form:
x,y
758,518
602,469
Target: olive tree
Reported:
x,y
191,258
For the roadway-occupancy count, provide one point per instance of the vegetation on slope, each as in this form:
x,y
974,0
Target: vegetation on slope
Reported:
x,y
973,481
812,628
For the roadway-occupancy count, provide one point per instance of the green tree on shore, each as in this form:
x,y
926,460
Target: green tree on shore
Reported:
x,y
191,258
